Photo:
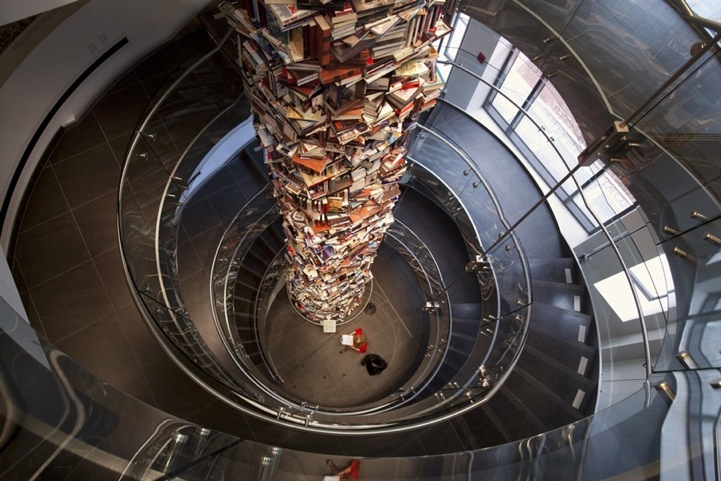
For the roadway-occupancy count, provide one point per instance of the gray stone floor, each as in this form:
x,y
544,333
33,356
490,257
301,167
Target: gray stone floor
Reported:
x,y
66,263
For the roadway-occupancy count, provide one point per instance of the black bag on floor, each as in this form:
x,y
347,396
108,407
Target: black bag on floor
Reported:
x,y
374,364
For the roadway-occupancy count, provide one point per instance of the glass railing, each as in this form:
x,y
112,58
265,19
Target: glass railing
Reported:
x,y
164,163
651,265
497,260
668,242
72,421
622,257
199,105
256,217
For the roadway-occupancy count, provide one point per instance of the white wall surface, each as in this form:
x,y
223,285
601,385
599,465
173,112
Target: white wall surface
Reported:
x,y
58,59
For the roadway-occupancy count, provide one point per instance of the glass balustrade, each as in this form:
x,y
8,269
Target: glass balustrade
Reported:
x,y
659,260
103,433
165,163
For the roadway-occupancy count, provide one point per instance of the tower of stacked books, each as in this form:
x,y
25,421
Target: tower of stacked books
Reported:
x,y
333,85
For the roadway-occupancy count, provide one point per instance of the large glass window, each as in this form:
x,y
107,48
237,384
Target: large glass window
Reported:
x,y
519,80
551,140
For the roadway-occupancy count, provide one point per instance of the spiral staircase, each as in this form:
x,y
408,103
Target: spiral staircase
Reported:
x,y
508,340
506,343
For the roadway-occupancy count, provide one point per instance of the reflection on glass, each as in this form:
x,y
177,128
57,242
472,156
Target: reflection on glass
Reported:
x,y
521,78
606,194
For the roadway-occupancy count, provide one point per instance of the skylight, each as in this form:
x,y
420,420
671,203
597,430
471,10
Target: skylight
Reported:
x,y
653,285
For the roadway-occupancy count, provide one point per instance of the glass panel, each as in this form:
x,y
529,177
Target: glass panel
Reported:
x,y
643,42
500,271
521,78
687,123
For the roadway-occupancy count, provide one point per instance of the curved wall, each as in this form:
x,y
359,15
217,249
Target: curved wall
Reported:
x,y
61,45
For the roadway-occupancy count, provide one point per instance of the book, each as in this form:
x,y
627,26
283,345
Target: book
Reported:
x,y
369,5
289,16
328,76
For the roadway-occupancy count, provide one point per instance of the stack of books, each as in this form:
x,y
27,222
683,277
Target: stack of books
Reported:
x,y
333,85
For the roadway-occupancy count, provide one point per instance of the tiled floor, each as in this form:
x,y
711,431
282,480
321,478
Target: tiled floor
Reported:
x,y
66,263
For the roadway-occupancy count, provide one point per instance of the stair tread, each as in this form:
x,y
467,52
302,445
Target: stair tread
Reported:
x,y
568,364
545,367
574,390
552,338
565,323
467,310
482,428
559,294
518,420
546,405
559,269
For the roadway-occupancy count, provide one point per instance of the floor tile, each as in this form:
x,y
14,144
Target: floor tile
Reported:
x,y
78,138
142,344
163,59
45,202
198,216
174,391
127,80
112,274
88,175
49,249
118,112
104,350
71,301
98,224
119,146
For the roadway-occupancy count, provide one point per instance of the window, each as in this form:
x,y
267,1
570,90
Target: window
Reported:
x,y
518,83
551,140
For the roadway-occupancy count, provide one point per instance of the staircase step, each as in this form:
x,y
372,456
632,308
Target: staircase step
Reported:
x,y
555,270
479,428
546,405
559,294
568,352
461,344
518,419
466,325
574,389
256,261
266,246
242,283
470,310
567,324
249,277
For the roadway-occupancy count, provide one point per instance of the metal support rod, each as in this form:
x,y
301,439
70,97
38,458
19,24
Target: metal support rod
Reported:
x,y
540,201
672,79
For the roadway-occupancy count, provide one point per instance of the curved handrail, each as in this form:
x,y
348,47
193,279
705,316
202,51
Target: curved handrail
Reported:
x,y
515,335
240,250
627,274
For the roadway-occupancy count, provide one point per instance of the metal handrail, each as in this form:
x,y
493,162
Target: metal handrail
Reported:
x,y
624,267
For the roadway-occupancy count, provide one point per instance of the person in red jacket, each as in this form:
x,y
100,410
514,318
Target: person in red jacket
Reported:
x,y
352,471
359,343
